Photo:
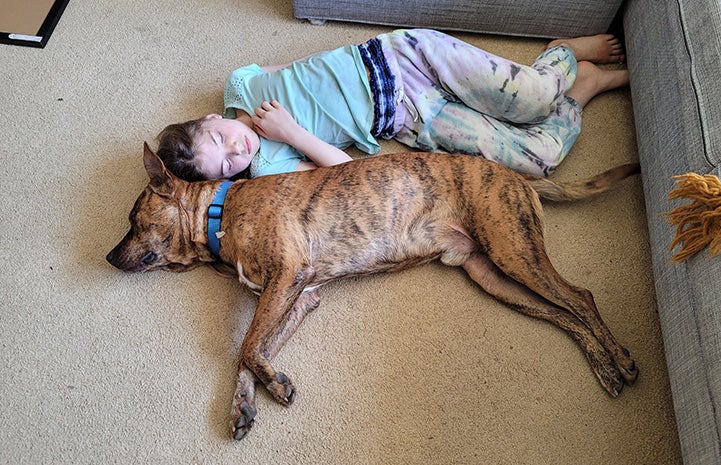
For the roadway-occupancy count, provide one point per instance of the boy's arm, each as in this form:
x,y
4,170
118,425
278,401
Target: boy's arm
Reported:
x,y
273,122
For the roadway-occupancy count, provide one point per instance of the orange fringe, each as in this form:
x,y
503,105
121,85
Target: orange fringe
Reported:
x,y
698,224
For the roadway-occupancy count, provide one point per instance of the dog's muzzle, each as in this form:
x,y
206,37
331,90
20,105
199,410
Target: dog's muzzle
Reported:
x,y
124,258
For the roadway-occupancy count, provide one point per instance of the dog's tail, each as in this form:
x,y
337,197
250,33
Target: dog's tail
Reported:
x,y
567,191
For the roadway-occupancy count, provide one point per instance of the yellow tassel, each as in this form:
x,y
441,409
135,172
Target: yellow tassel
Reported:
x,y
698,224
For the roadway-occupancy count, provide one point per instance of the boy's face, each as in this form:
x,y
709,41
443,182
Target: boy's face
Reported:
x,y
224,147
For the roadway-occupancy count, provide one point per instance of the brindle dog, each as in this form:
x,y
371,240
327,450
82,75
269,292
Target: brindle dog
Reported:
x,y
287,235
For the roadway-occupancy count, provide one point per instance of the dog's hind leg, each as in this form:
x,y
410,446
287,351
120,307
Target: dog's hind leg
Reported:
x,y
542,278
517,248
523,258
243,411
495,282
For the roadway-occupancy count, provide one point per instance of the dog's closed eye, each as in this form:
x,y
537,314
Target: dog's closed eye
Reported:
x,y
149,258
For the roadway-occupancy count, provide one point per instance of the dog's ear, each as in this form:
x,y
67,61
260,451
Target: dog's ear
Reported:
x,y
162,181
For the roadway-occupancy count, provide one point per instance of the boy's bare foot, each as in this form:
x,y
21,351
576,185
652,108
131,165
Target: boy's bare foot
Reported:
x,y
601,48
592,80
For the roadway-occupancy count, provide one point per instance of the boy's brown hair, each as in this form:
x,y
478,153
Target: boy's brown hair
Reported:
x,y
175,148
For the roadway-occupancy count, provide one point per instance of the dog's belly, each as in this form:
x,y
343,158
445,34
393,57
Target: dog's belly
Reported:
x,y
391,251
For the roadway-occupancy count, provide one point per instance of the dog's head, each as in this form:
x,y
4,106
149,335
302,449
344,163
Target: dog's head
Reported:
x,y
160,235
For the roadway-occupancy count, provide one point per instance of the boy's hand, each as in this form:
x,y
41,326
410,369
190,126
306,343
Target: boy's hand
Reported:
x,y
273,122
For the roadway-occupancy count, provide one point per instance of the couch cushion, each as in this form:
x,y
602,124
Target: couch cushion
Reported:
x,y
674,57
560,18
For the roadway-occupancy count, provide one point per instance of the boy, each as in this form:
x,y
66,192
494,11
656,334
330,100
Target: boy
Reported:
x,y
424,88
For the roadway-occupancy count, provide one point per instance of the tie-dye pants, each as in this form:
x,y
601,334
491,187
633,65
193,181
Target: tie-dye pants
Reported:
x,y
454,97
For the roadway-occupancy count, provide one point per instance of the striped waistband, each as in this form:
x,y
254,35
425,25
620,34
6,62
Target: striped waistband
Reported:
x,y
382,83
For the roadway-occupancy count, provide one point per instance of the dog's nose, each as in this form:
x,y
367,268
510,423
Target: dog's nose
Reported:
x,y
112,259
115,256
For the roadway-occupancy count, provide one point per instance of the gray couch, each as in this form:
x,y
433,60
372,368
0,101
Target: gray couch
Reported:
x,y
674,58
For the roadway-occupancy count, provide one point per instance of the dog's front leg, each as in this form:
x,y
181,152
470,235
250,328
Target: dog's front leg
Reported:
x,y
280,310
243,411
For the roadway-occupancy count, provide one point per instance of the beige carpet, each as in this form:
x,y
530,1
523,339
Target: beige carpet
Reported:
x,y
97,366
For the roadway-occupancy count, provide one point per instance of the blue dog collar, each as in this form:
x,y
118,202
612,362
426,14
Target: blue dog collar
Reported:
x,y
215,214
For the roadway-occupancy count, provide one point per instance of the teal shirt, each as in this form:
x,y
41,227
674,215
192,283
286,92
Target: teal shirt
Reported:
x,y
328,94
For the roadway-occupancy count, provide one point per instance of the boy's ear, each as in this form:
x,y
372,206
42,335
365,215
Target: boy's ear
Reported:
x,y
162,181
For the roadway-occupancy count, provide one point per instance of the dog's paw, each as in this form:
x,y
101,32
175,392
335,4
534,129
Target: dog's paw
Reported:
x,y
628,368
242,419
282,389
612,381
606,370
610,377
